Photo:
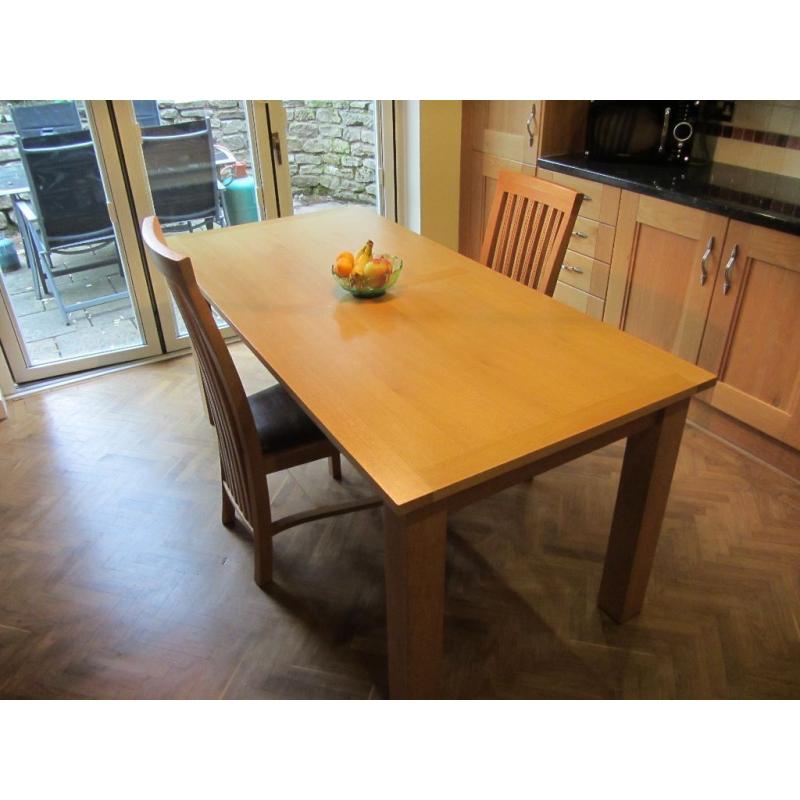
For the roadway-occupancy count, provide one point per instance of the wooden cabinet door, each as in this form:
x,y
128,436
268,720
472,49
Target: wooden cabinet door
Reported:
x,y
752,337
656,287
494,137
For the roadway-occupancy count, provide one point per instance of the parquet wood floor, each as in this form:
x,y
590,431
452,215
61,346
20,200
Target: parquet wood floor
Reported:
x,y
117,579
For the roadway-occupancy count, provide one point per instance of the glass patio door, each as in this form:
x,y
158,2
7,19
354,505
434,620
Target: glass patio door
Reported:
x,y
73,293
334,153
197,165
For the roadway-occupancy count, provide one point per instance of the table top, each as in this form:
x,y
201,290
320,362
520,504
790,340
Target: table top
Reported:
x,y
457,375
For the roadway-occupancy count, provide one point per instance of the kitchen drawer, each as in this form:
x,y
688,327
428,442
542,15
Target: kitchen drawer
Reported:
x,y
592,238
600,202
581,301
587,274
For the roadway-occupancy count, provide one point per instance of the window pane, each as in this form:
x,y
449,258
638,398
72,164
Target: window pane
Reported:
x,y
62,269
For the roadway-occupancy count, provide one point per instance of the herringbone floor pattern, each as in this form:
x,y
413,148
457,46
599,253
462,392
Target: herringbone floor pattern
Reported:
x,y
117,579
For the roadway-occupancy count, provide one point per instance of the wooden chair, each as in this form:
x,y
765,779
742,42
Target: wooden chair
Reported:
x,y
265,432
529,228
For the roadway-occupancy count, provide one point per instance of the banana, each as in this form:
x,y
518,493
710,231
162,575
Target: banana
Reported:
x,y
362,257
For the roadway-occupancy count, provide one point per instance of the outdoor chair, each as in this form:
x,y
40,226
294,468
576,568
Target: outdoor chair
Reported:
x,y
69,215
529,228
46,119
257,434
183,179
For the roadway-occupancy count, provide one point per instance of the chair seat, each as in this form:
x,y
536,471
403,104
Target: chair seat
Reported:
x,y
280,422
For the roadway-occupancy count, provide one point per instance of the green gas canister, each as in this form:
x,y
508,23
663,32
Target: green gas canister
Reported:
x,y
239,196
9,260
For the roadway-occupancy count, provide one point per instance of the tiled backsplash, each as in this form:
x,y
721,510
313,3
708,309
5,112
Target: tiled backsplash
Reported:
x,y
763,135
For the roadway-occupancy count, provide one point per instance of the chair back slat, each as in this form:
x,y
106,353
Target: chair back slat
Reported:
x,y
529,228
240,451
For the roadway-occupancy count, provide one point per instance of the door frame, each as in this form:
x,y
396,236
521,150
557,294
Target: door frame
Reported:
x,y
99,118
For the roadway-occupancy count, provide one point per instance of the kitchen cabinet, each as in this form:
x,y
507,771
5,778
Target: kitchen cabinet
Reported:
x,y
509,135
496,135
587,260
752,335
663,270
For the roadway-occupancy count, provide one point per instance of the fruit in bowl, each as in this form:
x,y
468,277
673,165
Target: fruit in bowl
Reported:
x,y
365,274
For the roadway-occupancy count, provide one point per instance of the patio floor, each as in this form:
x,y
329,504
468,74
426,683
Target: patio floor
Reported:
x,y
109,326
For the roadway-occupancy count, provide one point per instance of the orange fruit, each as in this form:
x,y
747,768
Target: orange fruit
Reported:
x,y
344,264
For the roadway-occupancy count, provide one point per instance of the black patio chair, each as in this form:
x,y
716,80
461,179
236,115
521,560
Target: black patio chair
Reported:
x,y
146,112
70,215
183,178
46,119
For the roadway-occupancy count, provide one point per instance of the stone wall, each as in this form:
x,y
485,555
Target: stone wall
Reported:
x,y
331,146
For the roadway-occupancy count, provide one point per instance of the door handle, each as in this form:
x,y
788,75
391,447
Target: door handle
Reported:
x,y
704,261
726,284
531,121
275,140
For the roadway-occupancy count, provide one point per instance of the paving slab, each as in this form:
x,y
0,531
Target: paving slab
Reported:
x,y
90,339
25,303
47,324
43,352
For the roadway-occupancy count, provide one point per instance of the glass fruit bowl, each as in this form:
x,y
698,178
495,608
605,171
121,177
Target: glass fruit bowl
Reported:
x,y
375,281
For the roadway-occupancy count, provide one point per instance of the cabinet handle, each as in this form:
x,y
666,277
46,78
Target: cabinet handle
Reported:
x,y
726,284
531,120
568,268
580,234
587,199
704,261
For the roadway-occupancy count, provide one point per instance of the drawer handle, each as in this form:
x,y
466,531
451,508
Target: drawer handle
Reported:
x,y
587,199
726,284
568,268
704,261
580,234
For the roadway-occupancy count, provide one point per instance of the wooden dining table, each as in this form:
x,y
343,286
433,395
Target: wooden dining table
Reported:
x,y
454,385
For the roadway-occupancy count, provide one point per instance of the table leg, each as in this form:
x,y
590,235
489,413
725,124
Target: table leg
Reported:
x,y
647,470
415,558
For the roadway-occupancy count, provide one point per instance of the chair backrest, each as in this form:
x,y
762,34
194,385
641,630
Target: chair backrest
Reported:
x,y
66,187
529,228
240,451
180,168
46,119
146,112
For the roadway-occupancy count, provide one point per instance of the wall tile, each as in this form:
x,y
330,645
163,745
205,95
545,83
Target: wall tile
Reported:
x,y
781,119
791,163
752,114
795,131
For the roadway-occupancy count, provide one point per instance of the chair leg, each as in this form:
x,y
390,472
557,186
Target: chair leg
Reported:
x,y
262,547
335,466
228,511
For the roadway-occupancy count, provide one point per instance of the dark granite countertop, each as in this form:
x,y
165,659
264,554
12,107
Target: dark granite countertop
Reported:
x,y
760,198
